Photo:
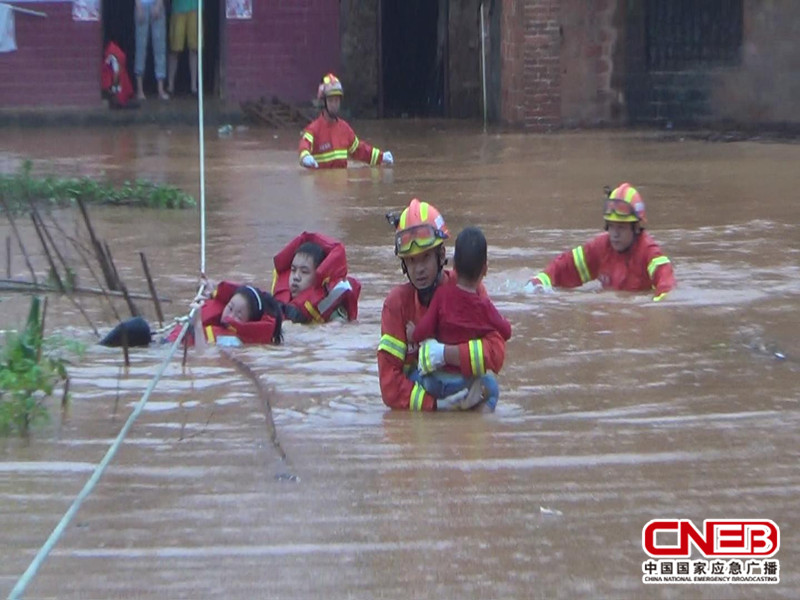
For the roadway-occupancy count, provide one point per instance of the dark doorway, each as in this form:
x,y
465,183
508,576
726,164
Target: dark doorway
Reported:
x,y
413,56
119,26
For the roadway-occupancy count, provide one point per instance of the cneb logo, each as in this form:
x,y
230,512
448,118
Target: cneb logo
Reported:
x,y
720,537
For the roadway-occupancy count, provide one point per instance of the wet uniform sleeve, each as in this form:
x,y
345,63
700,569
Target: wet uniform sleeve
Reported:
x,y
573,268
398,392
306,146
659,268
362,151
477,357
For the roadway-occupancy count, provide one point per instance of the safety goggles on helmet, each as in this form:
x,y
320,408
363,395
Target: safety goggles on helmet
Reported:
x,y
422,236
619,210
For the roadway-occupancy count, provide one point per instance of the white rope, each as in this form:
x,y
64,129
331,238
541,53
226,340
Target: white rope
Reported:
x,y
55,535
40,557
201,134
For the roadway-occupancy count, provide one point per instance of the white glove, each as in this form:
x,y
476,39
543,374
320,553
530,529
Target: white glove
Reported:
x,y
388,159
537,288
309,162
431,356
465,399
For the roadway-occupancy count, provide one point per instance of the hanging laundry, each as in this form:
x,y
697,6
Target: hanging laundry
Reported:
x,y
8,40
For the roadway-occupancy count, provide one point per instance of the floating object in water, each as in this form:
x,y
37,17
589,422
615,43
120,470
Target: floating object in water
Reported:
x,y
287,477
550,512
137,330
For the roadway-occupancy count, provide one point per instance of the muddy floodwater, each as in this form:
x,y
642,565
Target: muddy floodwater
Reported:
x,y
614,410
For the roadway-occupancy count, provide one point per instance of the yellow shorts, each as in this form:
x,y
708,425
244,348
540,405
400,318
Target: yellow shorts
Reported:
x,y
183,31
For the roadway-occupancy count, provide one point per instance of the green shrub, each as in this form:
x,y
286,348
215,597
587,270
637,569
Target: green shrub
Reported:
x,y
30,368
22,186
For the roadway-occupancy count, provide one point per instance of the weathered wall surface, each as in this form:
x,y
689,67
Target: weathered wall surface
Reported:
x,y
766,87
589,36
57,61
359,31
284,50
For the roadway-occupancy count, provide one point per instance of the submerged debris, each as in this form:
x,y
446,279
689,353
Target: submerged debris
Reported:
x,y
276,113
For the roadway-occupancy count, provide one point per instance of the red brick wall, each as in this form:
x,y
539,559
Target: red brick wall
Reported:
x,y
57,61
530,50
283,50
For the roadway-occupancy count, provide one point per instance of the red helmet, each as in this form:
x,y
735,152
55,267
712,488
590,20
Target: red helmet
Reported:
x,y
420,227
625,205
330,86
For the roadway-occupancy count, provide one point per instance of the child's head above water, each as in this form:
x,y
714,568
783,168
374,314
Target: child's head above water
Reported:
x,y
308,257
470,257
248,303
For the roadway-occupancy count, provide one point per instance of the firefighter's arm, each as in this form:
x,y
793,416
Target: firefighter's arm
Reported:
x,y
361,150
662,276
477,357
397,391
306,148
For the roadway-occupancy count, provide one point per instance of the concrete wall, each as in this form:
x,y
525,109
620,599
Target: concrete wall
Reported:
x,y
589,36
57,61
359,43
463,53
766,87
284,50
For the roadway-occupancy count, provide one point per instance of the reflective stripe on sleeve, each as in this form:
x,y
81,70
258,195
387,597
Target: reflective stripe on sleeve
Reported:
x,y
308,137
376,154
477,364
655,263
580,263
393,346
353,146
544,279
274,280
660,297
210,334
417,397
304,153
424,358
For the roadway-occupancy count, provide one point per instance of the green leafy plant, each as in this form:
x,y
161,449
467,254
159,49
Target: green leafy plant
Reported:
x,y
31,366
21,187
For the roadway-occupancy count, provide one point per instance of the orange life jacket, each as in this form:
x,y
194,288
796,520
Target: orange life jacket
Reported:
x,y
250,332
333,287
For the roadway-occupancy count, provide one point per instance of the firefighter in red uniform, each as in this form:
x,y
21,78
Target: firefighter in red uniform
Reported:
x,y
328,140
624,258
419,243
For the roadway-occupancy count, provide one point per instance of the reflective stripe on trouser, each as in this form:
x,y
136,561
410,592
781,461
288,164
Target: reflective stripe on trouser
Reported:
x,y
655,263
580,263
393,346
417,397
476,361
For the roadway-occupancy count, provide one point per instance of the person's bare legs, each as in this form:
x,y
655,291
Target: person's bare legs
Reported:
x,y
173,69
193,69
140,87
161,91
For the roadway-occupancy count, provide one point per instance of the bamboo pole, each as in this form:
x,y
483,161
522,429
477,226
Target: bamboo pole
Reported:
x,y
50,261
122,287
152,287
19,238
98,248
8,256
10,285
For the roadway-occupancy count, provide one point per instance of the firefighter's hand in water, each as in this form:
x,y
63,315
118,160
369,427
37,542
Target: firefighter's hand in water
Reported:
x,y
309,162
